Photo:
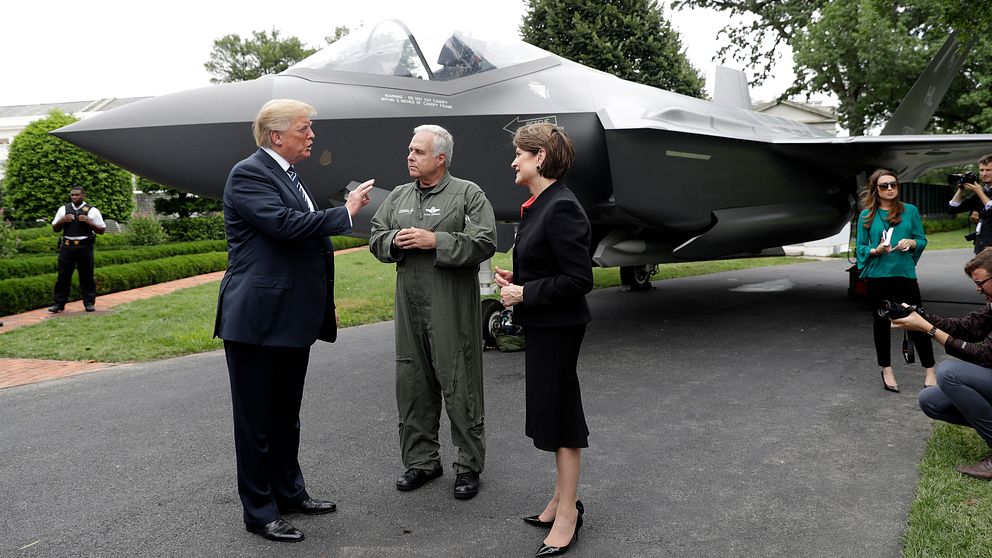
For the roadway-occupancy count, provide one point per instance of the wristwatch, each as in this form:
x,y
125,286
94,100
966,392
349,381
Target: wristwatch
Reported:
x,y
933,331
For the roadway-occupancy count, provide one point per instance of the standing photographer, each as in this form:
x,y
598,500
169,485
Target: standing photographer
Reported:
x,y
890,242
980,202
964,387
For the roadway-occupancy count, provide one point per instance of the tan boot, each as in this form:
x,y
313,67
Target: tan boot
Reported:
x,y
980,470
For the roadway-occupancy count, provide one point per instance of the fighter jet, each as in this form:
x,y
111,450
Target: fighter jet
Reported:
x,y
663,177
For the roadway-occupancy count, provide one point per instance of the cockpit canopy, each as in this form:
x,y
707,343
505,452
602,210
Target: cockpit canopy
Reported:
x,y
389,48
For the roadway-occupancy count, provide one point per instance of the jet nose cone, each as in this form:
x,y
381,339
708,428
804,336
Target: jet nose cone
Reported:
x,y
187,140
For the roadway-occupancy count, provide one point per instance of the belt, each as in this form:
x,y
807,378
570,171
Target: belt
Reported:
x,y
69,242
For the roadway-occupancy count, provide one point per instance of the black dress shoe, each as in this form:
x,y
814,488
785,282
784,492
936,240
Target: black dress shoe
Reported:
x,y
466,485
310,507
56,308
887,387
413,479
89,307
279,530
535,520
548,550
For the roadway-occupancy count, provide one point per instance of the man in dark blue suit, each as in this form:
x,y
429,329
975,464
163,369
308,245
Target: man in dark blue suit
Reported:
x,y
275,300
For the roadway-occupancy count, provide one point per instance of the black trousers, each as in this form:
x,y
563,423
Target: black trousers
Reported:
x,y
896,289
74,257
266,392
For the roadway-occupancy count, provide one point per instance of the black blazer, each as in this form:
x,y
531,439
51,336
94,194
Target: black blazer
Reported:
x,y
551,260
279,286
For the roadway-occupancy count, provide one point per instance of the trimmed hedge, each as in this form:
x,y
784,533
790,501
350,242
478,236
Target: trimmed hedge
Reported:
x,y
27,293
959,222
26,266
33,232
49,244
207,227
345,242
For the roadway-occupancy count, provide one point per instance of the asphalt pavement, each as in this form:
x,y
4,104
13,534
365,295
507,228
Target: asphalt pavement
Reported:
x,y
733,414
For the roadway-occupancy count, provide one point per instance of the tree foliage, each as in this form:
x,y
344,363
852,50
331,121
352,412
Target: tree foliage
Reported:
x,y
867,53
178,202
627,38
42,168
235,59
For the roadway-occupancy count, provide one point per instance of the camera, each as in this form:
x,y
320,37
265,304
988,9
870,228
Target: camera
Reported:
x,y
960,179
895,310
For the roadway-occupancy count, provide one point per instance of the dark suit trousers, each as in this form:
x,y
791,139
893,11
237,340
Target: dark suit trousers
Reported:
x,y
72,258
266,392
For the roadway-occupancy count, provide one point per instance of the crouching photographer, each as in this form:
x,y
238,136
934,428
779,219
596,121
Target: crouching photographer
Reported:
x,y
963,394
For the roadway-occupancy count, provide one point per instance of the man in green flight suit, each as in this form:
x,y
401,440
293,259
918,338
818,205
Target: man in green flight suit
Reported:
x,y
437,229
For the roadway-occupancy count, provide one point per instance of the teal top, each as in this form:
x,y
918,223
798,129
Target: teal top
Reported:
x,y
896,263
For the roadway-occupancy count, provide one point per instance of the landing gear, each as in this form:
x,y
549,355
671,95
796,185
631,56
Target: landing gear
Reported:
x,y
637,277
491,310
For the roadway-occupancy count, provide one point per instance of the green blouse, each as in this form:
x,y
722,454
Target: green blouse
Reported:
x,y
896,263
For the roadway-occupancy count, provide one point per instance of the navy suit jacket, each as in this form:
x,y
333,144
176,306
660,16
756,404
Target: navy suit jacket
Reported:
x,y
551,260
279,286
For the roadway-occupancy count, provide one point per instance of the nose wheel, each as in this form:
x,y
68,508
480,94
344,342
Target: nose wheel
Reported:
x,y
491,310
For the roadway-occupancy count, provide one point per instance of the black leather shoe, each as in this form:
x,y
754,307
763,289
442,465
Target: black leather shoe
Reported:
x,y
56,308
89,307
535,520
310,507
466,485
548,550
279,530
413,479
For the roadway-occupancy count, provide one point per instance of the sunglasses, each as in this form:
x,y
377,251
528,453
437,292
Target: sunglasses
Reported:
x,y
888,186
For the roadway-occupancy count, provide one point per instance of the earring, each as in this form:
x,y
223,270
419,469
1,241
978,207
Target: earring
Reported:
x,y
538,168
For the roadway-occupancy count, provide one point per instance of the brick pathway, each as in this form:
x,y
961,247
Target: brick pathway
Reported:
x,y
20,371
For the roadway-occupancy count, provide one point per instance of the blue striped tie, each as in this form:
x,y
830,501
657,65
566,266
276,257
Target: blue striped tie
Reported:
x,y
292,176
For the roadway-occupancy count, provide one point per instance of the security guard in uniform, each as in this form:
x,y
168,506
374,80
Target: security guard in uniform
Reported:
x,y
79,223
437,229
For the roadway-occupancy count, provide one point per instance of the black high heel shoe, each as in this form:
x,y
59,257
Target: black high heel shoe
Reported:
x,y
894,389
547,550
535,520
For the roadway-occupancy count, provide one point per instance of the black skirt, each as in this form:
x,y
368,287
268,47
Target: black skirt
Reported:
x,y
554,404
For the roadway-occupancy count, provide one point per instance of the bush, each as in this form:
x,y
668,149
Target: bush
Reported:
x,y
41,168
345,242
145,230
49,243
8,240
34,232
26,266
959,222
206,227
27,293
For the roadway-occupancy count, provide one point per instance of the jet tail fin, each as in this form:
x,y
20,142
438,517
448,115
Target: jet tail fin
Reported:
x,y
919,105
730,88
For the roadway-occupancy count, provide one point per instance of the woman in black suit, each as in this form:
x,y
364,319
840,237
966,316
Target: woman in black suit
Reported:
x,y
552,272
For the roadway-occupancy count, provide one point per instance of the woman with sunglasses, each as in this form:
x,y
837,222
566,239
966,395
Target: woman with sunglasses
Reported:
x,y
890,242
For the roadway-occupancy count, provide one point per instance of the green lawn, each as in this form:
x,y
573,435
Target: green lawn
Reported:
x,y
182,322
947,240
